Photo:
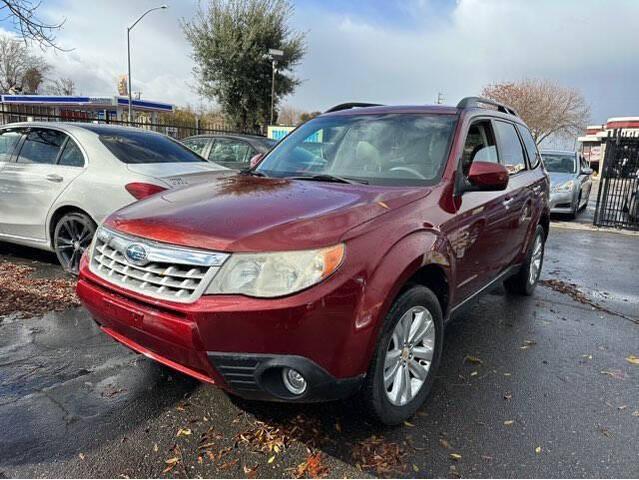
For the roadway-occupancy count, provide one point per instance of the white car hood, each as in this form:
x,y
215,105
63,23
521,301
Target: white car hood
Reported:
x,y
181,173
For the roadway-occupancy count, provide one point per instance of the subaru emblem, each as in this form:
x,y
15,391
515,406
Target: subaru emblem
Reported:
x,y
136,254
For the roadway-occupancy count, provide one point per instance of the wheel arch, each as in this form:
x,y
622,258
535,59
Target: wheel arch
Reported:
x,y
59,212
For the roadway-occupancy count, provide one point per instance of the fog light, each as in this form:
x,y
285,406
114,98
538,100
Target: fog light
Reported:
x,y
294,381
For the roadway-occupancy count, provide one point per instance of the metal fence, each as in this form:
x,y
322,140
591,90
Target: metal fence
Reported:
x,y
171,128
618,198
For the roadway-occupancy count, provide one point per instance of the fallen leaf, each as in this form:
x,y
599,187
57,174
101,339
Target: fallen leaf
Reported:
x,y
81,455
408,424
635,413
271,459
155,447
527,344
633,360
338,427
617,374
444,443
455,456
472,374
508,423
538,450
473,360
183,432
171,463
508,396
415,468
250,472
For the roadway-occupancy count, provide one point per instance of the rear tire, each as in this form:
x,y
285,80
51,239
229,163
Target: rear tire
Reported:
x,y
525,281
72,236
403,367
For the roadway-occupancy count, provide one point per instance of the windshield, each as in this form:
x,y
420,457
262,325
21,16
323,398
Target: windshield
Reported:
x,y
388,149
143,147
560,163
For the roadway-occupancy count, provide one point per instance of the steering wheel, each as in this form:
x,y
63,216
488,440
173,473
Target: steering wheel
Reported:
x,y
409,170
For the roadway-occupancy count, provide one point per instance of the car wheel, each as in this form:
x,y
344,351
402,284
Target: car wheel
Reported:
x,y
525,281
406,358
72,236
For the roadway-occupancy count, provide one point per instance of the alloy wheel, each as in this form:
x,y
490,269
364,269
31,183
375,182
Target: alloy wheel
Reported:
x,y
535,260
73,237
409,355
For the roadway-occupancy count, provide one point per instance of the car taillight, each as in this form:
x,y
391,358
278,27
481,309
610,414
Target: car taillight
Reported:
x,y
142,190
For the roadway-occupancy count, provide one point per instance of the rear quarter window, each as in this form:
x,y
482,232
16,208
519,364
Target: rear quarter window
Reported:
x,y
531,147
141,147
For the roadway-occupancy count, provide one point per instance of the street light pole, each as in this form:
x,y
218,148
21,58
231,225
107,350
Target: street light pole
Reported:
x,y
274,54
128,50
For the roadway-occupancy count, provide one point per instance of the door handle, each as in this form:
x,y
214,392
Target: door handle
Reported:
x,y
54,178
507,201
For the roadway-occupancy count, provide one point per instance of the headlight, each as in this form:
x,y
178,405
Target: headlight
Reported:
x,y
275,274
565,187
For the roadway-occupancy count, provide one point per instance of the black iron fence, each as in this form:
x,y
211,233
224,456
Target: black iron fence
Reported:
x,y
178,130
618,198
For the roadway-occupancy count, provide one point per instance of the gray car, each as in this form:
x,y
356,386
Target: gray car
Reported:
x,y
570,181
230,151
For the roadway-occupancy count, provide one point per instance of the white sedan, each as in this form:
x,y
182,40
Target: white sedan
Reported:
x,y
59,180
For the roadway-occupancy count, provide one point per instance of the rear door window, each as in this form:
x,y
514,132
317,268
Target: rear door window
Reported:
x,y
534,158
141,147
41,146
198,145
8,141
510,148
71,155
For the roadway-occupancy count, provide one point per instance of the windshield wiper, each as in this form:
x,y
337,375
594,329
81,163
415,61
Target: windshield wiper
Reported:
x,y
251,171
325,177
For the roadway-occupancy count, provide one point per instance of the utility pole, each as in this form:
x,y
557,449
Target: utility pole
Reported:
x,y
440,98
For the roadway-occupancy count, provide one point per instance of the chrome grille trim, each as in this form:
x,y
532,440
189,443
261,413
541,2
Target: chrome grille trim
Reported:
x,y
170,273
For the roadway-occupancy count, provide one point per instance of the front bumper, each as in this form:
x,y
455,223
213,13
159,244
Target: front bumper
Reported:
x,y
241,344
562,202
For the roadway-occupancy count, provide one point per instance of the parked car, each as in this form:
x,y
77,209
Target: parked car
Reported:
x,y
312,277
58,181
232,151
570,181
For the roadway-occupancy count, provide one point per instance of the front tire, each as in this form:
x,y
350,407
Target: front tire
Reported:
x,y
406,358
525,281
72,236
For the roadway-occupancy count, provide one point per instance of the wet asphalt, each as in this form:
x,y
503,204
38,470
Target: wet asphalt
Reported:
x,y
553,396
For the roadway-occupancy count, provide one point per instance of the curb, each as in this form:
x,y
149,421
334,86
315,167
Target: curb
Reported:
x,y
592,228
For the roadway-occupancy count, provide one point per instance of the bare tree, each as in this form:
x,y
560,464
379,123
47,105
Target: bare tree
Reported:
x,y
20,70
288,115
62,86
546,107
27,25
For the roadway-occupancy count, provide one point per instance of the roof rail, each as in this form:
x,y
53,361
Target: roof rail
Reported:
x,y
476,102
347,106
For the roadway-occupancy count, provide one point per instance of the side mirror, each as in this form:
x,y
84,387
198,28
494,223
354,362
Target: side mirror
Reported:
x,y
487,177
255,160
587,171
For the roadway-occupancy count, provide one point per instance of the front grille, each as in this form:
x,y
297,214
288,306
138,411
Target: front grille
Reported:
x,y
166,272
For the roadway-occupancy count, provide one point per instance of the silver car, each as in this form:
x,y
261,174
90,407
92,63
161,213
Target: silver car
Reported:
x,y
570,181
58,180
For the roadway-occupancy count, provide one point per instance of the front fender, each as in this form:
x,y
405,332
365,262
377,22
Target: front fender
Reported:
x,y
396,267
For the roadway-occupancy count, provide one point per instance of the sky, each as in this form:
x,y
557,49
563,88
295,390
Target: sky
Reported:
x,y
383,51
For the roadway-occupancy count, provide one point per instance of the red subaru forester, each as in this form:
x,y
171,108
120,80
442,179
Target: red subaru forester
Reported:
x,y
332,267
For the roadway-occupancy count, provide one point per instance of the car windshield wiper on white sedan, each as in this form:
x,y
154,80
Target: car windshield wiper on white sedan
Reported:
x,y
325,177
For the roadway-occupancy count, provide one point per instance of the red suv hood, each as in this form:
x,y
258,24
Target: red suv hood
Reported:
x,y
246,213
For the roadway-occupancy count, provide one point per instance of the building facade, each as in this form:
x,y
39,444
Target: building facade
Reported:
x,y
593,144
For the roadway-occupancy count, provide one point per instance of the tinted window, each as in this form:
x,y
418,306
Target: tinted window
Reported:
x,y
383,149
41,146
510,149
560,163
198,145
531,147
226,150
71,155
8,141
142,147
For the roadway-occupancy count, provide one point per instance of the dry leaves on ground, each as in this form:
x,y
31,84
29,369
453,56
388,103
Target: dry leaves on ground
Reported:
x,y
312,467
633,360
21,293
379,455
